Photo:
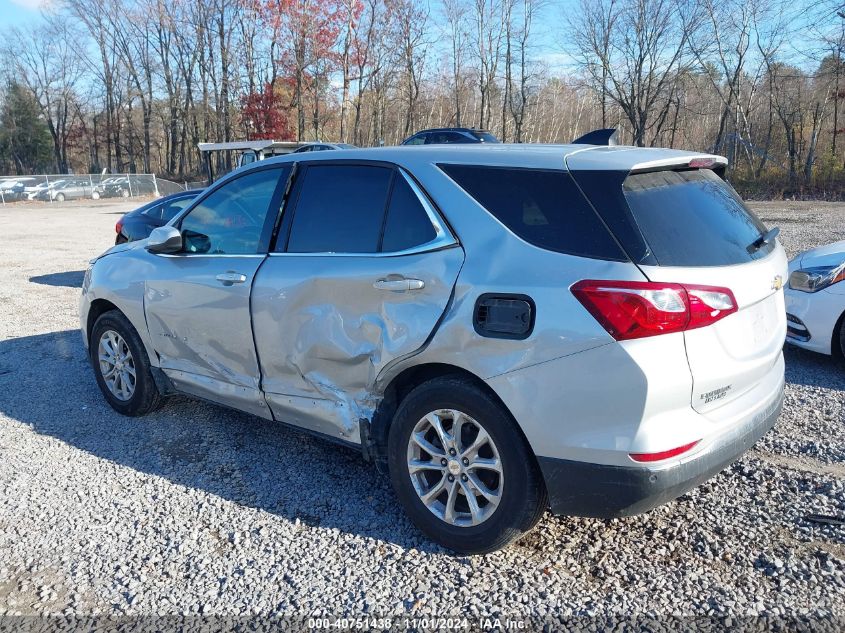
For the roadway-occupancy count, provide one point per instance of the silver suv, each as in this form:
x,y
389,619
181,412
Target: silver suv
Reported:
x,y
510,328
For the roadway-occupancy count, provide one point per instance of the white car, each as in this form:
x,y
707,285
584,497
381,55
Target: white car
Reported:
x,y
815,300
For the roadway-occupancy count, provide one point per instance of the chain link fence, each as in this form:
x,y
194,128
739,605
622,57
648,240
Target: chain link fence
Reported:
x,y
62,187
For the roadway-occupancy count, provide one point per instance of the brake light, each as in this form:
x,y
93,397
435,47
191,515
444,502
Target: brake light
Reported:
x,y
637,309
656,457
119,226
702,163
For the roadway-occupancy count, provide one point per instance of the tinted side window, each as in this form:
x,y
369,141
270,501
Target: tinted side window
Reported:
x,y
168,209
340,209
544,208
447,137
419,139
230,220
407,222
155,210
173,209
693,218
486,137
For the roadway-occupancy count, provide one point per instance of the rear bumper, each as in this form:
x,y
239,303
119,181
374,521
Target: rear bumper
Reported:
x,y
598,490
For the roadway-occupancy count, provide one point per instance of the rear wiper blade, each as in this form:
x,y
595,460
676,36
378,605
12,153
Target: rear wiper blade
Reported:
x,y
764,239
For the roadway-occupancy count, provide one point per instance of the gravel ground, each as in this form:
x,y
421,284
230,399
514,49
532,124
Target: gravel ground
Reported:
x,y
198,509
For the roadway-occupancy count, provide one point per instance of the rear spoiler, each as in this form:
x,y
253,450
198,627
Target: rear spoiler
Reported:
x,y
605,136
717,163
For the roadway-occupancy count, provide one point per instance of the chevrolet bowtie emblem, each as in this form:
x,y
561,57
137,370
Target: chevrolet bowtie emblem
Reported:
x,y
777,282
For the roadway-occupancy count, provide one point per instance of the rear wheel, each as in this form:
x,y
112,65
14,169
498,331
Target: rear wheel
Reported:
x,y
121,366
95,195
462,470
124,193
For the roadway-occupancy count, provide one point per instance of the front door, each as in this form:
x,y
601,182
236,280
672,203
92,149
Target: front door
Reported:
x,y
197,301
361,274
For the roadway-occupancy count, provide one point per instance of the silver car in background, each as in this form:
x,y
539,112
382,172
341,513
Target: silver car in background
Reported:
x,y
508,327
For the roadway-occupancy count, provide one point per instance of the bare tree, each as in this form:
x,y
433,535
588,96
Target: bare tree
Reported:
x,y
47,60
455,12
637,48
490,24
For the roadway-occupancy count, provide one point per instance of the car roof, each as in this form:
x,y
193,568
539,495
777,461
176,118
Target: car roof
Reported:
x,y
451,129
537,156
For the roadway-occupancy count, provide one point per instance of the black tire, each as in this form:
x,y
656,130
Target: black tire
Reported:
x,y
841,339
146,397
60,197
523,498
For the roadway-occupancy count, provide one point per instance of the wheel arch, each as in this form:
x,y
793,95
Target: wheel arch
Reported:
x,y
837,343
406,381
101,305
97,308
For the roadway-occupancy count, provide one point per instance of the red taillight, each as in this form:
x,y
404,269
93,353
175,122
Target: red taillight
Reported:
x,y
119,226
636,309
656,457
702,163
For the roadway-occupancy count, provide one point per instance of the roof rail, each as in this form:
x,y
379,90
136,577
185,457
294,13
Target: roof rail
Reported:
x,y
605,136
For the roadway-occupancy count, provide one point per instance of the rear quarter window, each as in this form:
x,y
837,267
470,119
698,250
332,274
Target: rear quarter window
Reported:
x,y
543,207
693,218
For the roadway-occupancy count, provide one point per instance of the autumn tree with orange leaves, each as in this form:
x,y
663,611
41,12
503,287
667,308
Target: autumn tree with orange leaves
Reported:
x,y
307,33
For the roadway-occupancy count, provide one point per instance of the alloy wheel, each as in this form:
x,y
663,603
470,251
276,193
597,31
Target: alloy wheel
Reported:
x,y
455,467
117,365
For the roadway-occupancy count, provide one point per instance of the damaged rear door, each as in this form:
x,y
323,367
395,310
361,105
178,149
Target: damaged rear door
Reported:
x,y
362,272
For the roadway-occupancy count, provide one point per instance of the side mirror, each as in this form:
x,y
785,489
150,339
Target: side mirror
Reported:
x,y
164,239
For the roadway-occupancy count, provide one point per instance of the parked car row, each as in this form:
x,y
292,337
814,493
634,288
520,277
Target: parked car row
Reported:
x,y
69,187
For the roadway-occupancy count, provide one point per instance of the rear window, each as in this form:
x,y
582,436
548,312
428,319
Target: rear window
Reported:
x,y
543,207
693,218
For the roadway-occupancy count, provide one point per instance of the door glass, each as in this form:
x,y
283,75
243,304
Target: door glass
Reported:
x,y
340,209
230,220
419,139
408,224
170,211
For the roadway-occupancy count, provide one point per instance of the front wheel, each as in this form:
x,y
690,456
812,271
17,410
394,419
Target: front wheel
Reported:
x,y
60,197
462,469
121,365
124,193
95,195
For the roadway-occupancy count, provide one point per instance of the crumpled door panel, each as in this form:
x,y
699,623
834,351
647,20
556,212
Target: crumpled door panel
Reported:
x,y
324,330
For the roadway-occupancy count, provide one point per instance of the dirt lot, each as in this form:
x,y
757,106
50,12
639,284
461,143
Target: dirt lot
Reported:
x,y
197,509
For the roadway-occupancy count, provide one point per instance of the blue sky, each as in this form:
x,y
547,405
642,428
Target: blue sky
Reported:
x,y
17,12
549,27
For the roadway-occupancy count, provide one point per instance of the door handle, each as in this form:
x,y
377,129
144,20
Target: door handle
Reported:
x,y
399,285
230,277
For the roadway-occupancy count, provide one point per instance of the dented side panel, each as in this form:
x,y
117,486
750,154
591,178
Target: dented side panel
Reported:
x,y
324,331
200,327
